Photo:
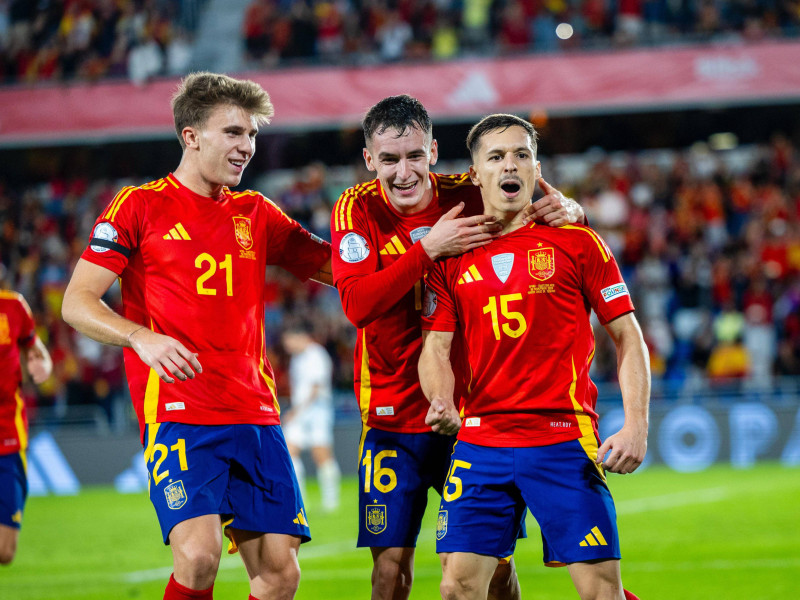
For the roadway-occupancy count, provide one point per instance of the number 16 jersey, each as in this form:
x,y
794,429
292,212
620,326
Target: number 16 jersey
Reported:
x,y
193,267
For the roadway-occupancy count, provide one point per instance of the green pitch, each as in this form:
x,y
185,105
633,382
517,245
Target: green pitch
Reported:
x,y
721,533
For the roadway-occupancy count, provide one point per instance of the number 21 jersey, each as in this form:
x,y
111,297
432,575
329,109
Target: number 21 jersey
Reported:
x,y
193,267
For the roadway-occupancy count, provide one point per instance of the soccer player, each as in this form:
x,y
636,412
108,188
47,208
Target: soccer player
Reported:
x,y
527,429
191,256
379,270
19,345
309,422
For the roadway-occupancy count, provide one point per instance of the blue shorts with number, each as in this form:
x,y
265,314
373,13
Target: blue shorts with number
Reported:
x,y
487,490
395,472
241,472
13,489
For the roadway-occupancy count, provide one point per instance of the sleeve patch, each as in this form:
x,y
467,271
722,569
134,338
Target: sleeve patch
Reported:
x,y
353,248
429,307
104,238
614,291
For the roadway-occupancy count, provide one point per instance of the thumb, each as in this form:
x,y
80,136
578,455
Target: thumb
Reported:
x,y
601,451
546,187
453,212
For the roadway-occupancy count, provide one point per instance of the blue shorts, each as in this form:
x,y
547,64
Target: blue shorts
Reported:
x,y
241,472
487,490
395,471
13,489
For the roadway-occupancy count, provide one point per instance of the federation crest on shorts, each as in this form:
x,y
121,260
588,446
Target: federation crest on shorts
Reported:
x,y
175,494
376,518
241,228
441,525
502,264
542,263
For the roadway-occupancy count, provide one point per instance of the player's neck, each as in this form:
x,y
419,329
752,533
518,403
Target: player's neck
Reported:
x,y
191,178
509,221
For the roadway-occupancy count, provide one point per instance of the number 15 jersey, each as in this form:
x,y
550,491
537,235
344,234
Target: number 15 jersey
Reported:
x,y
193,267
523,303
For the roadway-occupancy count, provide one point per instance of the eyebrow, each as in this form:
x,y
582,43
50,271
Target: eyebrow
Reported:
x,y
417,152
238,129
503,150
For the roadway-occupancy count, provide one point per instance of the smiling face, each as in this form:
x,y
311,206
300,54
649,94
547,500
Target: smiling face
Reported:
x,y
506,170
219,150
402,162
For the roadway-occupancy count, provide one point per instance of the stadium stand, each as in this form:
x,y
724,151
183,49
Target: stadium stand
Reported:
x,y
707,237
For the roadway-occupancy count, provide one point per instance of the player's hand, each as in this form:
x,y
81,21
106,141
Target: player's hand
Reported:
x,y
443,418
453,235
167,356
624,451
38,367
553,209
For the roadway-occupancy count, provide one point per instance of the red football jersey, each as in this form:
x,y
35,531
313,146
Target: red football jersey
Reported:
x,y
193,267
523,303
16,330
378,268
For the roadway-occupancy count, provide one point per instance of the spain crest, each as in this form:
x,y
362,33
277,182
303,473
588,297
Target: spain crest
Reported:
x,y
241,227
376,518
441,525
542,263
175,494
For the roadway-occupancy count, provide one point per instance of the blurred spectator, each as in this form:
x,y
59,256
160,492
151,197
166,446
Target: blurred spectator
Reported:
x,y
712,305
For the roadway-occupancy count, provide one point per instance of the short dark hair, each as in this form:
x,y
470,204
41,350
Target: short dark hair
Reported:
x,y
396,112
498,121
199,93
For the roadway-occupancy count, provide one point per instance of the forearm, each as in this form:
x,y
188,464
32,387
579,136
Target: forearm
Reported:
x,y
436,376
324,275
95,319
633,371
367,297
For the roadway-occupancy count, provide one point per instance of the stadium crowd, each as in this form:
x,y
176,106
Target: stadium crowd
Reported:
x,y
63,40
355,32
709,242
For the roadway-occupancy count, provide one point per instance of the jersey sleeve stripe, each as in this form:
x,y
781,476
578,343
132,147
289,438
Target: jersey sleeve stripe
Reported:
x,y
123,193
604,251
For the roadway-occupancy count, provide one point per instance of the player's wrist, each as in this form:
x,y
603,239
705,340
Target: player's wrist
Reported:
x,y
132,333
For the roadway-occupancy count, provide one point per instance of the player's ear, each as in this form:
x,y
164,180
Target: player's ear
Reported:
x,y
434,155
473,175
538,170
368,160
191,137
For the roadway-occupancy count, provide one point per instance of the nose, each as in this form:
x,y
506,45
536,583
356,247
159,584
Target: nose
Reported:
x,y
510,164
247,145
403,169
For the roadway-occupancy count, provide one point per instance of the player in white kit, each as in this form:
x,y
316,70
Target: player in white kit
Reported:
x,y
309,421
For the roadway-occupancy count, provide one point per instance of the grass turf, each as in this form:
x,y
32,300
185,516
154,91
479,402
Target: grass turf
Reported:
x,y
720,533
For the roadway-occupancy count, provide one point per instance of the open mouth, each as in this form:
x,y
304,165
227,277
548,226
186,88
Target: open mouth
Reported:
x,y
237,163
511,188
406,188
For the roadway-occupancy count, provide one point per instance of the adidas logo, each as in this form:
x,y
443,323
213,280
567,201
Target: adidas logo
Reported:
x,y
301,519
394,246
470,275
594,540
177,233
